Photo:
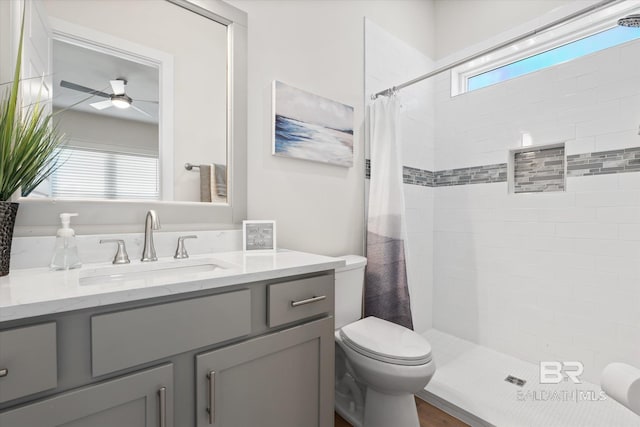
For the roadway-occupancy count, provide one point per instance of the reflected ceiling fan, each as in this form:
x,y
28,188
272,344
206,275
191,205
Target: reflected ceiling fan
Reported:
x,y
118,98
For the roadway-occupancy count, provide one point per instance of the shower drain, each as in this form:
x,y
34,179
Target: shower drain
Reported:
x,y
515,380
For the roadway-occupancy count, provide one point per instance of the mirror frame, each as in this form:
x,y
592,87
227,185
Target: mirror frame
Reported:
x,y
41,216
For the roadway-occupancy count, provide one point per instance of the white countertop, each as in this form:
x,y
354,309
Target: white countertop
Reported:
x,y
39,291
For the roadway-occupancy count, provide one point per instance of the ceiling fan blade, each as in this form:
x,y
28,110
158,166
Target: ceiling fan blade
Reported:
x,y
118,86
147,100
102,104
143,112
79,88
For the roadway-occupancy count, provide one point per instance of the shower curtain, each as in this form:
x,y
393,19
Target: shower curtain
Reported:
x,y
386,285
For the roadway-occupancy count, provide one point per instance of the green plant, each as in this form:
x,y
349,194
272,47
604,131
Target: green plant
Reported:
x,y
28,139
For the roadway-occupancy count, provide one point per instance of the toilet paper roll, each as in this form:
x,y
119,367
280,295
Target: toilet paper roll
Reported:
x,y
622,383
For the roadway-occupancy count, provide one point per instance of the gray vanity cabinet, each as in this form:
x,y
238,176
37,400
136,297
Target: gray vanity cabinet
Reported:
x,y
143,399
283,379
257,354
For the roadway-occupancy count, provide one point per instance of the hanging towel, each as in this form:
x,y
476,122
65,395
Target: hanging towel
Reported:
x,y
220,180
386,286
213,183
206,183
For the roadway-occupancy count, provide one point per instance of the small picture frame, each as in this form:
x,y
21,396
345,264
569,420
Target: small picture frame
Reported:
x,y
258,236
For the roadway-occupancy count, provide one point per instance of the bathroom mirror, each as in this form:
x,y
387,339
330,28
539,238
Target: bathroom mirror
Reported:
x,y
107,83
154,108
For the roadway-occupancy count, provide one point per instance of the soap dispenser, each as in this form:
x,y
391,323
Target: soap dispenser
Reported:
x,y
65,255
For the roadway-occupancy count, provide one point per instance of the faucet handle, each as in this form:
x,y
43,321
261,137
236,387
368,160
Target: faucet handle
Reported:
x,y
181,250
121,255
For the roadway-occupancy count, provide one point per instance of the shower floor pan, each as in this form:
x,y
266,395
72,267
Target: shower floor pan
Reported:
x,y
469,384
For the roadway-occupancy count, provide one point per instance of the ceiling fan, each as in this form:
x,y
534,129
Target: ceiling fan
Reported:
x,y
118,98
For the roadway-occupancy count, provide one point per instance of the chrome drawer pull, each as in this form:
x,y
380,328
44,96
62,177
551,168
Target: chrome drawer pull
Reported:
x,y
4,372
162,394
211,376
308,301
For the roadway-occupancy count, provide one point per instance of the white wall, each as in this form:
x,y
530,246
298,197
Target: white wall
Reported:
x,y
388,60
317,46
462,23
550,276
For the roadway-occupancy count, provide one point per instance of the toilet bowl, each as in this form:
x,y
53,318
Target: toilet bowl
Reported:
x,y
379,365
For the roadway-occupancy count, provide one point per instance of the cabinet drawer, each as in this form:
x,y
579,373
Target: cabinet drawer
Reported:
x,y
28,362
299,299
132,337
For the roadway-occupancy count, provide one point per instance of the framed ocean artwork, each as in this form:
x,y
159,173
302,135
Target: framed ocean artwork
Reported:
x,y
311,127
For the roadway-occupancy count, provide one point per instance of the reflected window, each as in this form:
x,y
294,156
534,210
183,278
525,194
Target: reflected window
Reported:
x,y
105,175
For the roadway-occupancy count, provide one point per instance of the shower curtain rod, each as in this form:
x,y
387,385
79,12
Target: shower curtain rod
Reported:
x,y
521,37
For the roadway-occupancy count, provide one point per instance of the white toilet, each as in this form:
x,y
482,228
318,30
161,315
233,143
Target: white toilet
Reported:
x,y
379,365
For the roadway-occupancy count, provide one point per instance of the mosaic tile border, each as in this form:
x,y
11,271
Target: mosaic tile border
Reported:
x,y
596,163
462,176
604,162
416,176
474,175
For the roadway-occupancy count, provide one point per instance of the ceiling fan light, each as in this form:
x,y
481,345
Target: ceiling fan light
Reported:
x,y
121,101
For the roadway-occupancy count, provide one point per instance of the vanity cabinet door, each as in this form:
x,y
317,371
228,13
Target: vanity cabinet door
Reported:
x,y
143,399
283,379
28,361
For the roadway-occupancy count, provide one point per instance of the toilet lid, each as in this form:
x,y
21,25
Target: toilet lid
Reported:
x,y
386,341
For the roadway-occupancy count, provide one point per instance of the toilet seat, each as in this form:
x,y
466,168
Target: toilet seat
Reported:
x,y
386,342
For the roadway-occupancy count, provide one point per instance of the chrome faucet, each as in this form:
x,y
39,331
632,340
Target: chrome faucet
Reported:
x,y
151,223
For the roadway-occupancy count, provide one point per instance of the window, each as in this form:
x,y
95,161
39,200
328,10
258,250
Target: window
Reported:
x,y
560,44
558,55
106,175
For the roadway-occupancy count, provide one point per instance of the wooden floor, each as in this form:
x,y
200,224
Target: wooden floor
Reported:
x,y
429,416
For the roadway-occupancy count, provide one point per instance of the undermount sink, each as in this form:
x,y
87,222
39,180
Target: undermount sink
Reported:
x,y
148,270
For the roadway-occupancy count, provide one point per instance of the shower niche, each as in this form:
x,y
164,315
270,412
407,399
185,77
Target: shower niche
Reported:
x,y
537,169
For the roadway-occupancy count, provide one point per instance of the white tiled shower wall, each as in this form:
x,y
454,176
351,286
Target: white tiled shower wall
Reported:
x,y
389,61
551,276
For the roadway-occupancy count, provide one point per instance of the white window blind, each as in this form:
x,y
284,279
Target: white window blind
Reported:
x,y
105,175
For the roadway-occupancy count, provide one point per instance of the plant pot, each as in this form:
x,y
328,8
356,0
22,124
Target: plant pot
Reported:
x,y
8,211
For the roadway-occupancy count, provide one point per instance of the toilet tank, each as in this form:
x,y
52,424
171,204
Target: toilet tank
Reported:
x,y
349,290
